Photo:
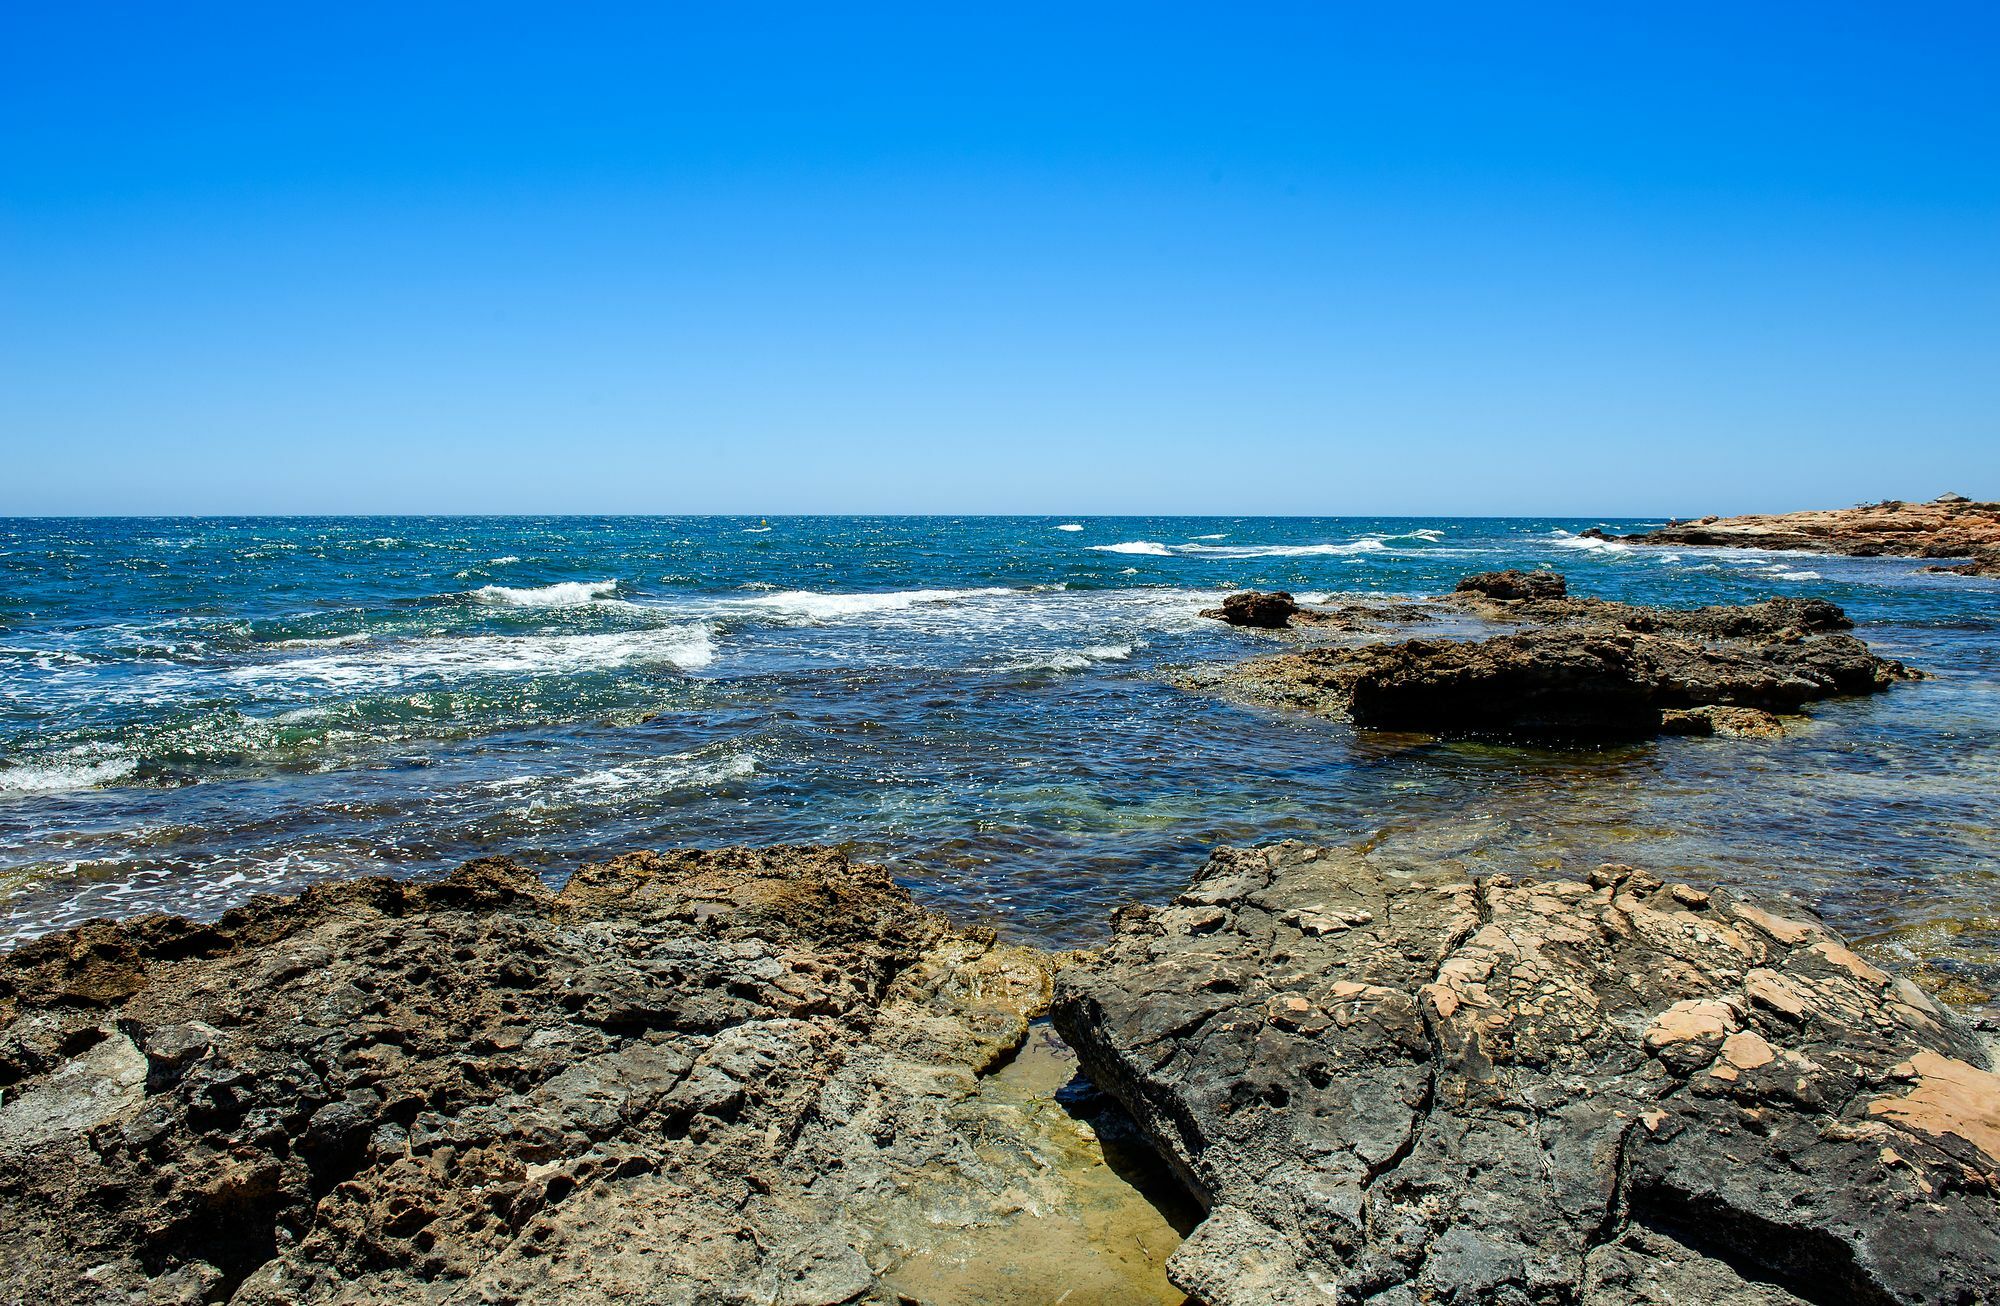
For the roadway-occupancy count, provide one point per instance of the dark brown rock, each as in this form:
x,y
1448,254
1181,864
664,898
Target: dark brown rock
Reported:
x,y
701,1077
1272,611
1396,1088
1511,585
1587,668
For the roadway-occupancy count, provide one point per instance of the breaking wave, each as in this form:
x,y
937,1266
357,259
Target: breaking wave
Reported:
x,y
563,594
57,778
815,606
1154,549
460,657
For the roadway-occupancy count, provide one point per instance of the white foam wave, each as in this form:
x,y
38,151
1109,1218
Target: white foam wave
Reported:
x,y
1070,526
1223,536
684,772
331,641
815,606
1369,545
1154,549
61,778
1073,659
1797,575
48,659
502,561
1590,544
688,647
563,594
1149,547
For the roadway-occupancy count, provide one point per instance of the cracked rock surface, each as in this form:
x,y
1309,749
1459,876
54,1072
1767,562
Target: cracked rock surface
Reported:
x,y
1395,1088
743,1076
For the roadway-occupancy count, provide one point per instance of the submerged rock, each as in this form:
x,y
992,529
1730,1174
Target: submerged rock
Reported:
x,y
1272,611
1400,1088
701,1077
1588,668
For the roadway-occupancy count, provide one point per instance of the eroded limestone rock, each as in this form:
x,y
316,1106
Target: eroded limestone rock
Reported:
x,y
703,1077
1400,1088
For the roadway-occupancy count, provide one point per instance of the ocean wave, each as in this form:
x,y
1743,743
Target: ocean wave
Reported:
x,y
1221,536
52,778
816,606
688,647
1370,544
48,659
563,594
1073,659
687,771
1795,575
1588,543
1154,549
1070,526
697,770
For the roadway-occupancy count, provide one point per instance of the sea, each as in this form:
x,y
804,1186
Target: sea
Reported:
x,y
194,711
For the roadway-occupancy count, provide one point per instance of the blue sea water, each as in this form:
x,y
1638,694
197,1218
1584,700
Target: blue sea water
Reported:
x,y
196,710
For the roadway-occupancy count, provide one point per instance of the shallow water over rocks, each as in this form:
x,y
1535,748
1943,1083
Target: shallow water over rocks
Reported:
x,y
193,711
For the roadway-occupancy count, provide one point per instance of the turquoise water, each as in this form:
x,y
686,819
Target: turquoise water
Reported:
x,y
192,711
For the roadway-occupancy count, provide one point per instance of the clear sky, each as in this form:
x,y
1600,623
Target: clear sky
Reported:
x,y
1316,258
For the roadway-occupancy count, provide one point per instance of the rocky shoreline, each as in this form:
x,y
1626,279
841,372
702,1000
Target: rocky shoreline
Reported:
x,y
1950,526
1574,668
766,1076
701,1077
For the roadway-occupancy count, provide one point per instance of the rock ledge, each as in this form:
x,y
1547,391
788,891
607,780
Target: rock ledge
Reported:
x,y
1396,1089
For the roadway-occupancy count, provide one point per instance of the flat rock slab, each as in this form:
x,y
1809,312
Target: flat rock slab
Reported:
x,y
1950,526
1396,1089
1585,668
740,1076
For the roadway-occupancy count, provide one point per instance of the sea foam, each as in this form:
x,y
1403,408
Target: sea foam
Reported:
x,y
1154,549
459,657
1151,548
816,606
563,594
62,778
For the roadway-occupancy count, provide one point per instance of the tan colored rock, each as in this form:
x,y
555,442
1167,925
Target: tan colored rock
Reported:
x,y
1949,1098
1950,526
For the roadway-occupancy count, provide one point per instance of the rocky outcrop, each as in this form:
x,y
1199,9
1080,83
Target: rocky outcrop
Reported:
x,y
1396,1087
1950,526
1587,668
702,1077
1512,585
1272,611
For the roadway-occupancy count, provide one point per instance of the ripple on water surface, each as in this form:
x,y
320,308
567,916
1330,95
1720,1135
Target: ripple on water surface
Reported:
x,y
192,711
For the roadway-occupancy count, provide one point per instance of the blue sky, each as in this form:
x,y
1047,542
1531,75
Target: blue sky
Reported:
x,y
1585,259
